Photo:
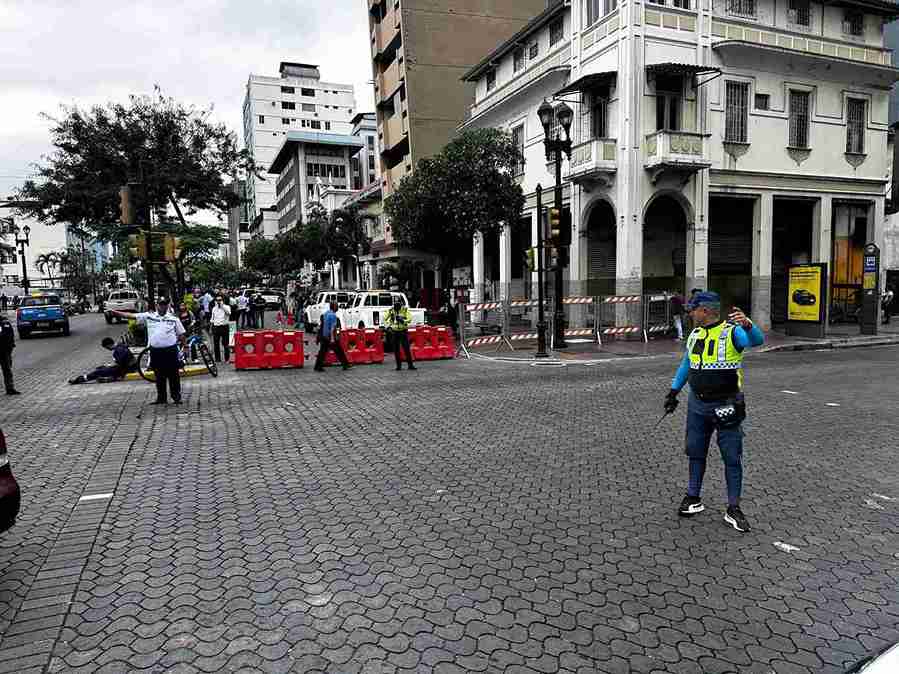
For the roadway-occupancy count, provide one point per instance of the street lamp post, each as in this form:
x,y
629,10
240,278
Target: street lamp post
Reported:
x,y
541,317
21,242
555,146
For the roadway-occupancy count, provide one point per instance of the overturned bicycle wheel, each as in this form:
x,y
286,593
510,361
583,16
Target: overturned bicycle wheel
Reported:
x,y
208,360
143,365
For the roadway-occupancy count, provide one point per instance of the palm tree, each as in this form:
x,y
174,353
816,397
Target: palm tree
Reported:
x,y
46,261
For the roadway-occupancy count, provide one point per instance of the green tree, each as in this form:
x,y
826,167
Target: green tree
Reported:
x,y
180,159
468,187
261,255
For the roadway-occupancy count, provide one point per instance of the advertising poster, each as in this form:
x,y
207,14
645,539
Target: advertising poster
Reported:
x,y
805,293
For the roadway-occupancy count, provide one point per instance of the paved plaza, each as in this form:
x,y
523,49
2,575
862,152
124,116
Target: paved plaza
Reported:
x,y
474,516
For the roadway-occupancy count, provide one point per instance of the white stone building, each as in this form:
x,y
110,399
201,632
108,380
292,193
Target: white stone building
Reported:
x,y
297,100
713,143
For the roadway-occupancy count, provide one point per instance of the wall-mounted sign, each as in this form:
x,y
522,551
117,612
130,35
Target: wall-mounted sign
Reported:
x,y
807,293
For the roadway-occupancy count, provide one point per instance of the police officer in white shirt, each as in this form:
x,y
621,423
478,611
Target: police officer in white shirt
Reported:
x,y
164,331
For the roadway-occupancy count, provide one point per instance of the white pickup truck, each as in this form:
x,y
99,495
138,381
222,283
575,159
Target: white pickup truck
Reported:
x,y
313,314
369,309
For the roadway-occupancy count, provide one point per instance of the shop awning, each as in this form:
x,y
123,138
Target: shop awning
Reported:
x,y
682,69
589,82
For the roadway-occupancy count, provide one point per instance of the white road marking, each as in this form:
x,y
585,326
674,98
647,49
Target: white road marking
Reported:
x,y
792,393
95,497
873,504
832,404
881,496
786,547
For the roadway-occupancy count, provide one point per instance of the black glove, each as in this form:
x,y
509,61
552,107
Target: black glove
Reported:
x,y
671,402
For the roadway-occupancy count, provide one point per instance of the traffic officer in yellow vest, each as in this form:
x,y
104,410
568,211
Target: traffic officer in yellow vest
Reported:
x,y
713,365
398,319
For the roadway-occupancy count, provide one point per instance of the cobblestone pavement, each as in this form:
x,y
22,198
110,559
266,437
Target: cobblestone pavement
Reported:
x,y
472,516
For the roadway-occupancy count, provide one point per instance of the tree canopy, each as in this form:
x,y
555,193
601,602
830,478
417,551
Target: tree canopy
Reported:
x,y
173,155
468,187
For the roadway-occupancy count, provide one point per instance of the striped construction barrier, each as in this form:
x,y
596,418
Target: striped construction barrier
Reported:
x,y
483,306
577,300
480,341
623,299
579,332
626,330
655,329
523,337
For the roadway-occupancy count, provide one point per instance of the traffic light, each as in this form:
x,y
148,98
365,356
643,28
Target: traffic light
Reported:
x,y
565,229
172,248
137,246
532,259
555,225
125,208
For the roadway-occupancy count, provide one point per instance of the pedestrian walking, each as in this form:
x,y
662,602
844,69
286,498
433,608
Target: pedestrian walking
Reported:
x,y
7,344
677,315
206,303
328,338
164,332
713,366
398,319
4,302
220,318
258,311
243,303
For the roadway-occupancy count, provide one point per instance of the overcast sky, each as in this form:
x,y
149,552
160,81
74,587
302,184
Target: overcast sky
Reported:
x,y
56,52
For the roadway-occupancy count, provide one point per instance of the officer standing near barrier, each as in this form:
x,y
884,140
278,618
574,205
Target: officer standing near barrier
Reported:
x,y
398,320
7,344
713,365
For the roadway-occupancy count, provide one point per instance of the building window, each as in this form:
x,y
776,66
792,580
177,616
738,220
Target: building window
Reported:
x,y
262,119
762,102
556,31
308,107
855,126
798,14
594,10
315,124
594,114
285,120
286,105
533,51
371,143
327,126
288,90
736,112
853,23
669,90
518,142
518,59
491,80
741,8
683,4
307,92
371,162
799,118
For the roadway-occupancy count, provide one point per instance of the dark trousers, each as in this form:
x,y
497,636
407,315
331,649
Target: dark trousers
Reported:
x,y
220,334
105,372
6,364
166,368
701,423
323,346
401,340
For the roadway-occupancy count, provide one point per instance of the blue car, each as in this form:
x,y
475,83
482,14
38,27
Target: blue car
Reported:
x,y
41,313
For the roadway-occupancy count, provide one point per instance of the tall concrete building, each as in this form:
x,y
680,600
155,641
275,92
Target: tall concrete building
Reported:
x,y
366,166
238,225
296,100
715,143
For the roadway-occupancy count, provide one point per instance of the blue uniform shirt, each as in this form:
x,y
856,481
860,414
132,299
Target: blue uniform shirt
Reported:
x,y
329,322
742,340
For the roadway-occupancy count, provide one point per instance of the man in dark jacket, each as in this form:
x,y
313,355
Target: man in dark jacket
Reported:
x,y
124,362
7,344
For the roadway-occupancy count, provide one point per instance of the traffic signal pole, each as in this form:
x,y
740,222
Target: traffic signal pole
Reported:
x,y
541,317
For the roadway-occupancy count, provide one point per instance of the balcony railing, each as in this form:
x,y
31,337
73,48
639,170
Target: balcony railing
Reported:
x,y
394,130
680,151
389,80
383,33
593,160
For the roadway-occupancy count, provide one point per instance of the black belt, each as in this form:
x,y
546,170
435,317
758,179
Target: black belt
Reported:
x,y
714,397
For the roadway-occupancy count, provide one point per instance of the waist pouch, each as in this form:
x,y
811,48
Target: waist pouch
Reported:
x,y
731,413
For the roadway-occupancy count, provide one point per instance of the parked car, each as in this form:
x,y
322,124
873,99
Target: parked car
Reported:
x,y
123,300
371,306
41,313
885,661
313,313
804,298
10,495
274,299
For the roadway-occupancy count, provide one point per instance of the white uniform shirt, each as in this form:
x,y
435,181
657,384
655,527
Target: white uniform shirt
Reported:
x,y
220,314
162,331
242,302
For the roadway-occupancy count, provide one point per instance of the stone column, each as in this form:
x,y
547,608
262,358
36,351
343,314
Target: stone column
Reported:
x,y
762,247
822,229
477,272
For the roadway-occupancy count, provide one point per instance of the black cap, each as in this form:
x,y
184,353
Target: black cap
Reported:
x,y
162,300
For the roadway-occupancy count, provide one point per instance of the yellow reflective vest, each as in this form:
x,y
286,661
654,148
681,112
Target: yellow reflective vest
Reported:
x,y
716,365
398,320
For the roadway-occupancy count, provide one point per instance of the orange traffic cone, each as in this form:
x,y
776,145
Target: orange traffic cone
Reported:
x,y
279,319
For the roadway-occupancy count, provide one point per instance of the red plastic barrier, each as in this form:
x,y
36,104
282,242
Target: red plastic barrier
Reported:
x,y
353,345
271,349
422,341
293,348
246,354
373,340
444,343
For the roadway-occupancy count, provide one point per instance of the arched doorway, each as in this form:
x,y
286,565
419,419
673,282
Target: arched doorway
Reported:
x,y
664,246
601,249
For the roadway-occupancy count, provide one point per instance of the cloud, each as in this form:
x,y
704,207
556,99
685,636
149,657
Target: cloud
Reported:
x,y
200,52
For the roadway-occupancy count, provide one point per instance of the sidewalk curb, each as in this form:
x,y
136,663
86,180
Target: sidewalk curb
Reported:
x,y
851,343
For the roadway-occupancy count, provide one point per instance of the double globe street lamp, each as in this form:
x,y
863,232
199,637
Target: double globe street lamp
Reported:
x,y
559,238
21,242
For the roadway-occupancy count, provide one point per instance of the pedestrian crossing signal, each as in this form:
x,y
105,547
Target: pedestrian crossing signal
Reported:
x,y
137,246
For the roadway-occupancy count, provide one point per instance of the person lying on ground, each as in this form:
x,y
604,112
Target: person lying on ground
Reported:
x,y
124,362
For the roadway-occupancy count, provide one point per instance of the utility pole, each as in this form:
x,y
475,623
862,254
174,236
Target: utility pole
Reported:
x,y
561,250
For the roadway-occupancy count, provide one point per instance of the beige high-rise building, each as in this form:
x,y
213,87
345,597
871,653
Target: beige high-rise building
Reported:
x,y
420,50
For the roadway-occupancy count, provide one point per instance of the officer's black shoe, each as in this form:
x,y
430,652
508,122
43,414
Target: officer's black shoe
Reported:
x,y
399,367
412,367
159,402
13,392
735,517
177,402
80,379
691,505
